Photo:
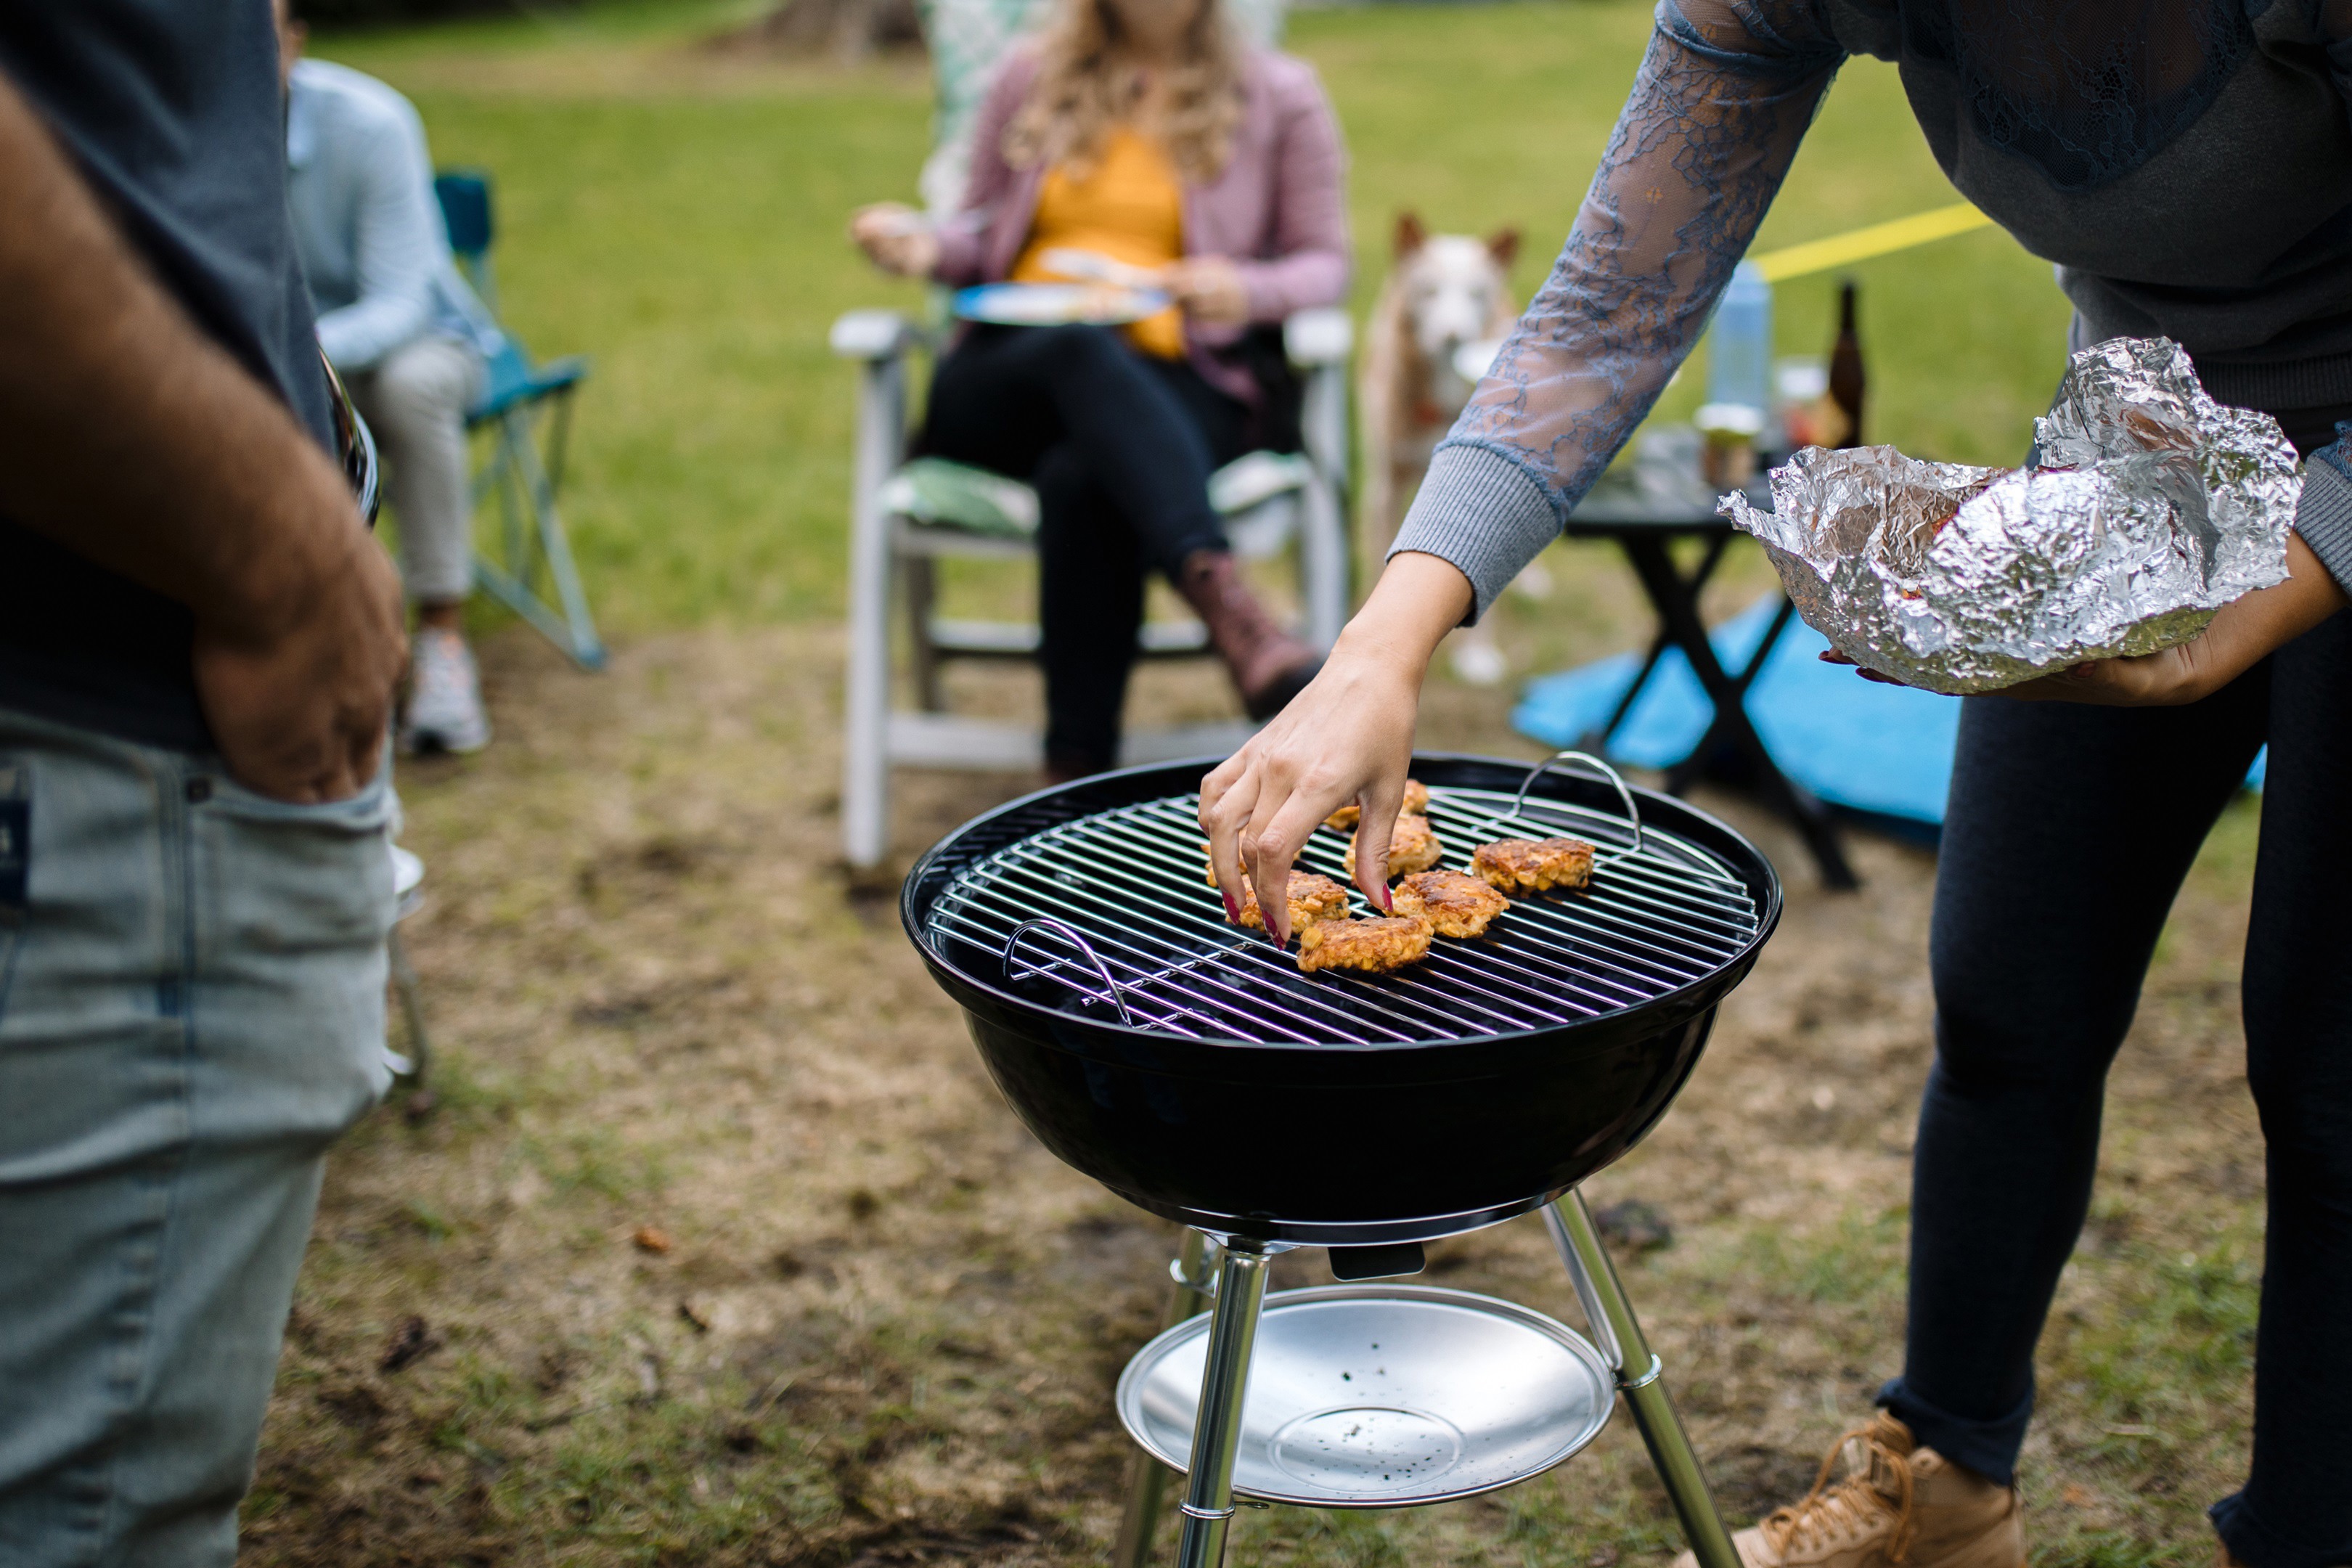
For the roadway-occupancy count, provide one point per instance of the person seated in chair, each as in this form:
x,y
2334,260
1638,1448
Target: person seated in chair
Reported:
x,y
408,338
1144,131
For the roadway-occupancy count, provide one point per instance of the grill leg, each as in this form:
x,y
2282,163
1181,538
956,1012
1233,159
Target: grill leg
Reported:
x,y
1639,1379
1147,1477
1208,1505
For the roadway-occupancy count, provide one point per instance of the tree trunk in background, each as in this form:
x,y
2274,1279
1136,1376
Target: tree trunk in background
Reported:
x,y
847,29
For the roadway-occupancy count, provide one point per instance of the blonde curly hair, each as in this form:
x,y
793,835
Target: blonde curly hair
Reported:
x,y
1080,94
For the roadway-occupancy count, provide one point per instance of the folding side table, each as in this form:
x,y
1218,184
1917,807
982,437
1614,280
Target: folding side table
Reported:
x,y
1644,510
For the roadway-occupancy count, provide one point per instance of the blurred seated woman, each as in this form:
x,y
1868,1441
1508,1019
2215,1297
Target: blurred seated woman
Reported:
x,y
1144,131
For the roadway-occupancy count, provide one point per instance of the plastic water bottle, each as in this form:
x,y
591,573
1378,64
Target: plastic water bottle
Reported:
x,y
1739,342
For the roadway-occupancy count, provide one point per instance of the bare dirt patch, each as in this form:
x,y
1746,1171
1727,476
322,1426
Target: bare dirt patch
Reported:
x,y
720,1249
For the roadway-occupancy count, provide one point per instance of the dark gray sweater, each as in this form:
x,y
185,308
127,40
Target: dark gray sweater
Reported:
x,y
2186,163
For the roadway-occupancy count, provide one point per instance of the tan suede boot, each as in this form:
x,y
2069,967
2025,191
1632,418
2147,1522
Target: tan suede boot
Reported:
x,y
1269,666
1898,1504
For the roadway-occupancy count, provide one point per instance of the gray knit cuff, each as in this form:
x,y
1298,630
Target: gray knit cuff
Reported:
x,y
1485,513
2324,518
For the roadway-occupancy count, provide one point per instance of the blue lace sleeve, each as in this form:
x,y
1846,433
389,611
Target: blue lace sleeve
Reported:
x,y
1723,97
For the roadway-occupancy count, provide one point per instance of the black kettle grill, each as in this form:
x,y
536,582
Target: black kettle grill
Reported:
x,y
1189,1066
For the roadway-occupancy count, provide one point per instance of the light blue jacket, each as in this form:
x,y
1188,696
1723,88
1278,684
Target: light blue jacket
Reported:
x,y
367,224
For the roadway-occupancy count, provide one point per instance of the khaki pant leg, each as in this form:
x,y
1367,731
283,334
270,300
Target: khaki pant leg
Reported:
x,y
415,403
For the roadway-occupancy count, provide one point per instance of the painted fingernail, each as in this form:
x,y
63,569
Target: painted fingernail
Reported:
x,y
1232,910
1388,904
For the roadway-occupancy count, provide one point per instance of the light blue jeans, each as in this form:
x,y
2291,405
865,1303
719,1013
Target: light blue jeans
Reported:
x,y
192,982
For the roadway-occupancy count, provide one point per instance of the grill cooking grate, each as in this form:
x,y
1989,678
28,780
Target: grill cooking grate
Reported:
x,y
1113,916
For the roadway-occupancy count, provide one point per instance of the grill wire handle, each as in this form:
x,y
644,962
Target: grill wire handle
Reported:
x,y
1632,811
1062,929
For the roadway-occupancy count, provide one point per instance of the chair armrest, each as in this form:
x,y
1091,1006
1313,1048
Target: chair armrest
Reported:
x,y
1318,337
873,335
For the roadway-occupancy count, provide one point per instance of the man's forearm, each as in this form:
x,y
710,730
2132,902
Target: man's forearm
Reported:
x,y
128,435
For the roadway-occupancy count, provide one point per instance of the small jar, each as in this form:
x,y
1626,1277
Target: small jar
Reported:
x,y
1726,454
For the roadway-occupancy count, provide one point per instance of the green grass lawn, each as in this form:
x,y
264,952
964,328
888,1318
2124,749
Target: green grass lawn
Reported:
x,y
679,218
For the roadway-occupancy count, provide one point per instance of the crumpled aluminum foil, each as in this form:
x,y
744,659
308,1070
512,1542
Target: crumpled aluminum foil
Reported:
x,y
2149,507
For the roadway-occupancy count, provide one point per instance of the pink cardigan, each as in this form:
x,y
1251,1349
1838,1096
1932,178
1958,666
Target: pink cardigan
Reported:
x,y
1278,210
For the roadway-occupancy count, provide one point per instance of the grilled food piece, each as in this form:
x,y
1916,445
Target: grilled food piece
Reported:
x,y
1531,865
1456,905
1370,947
1416,801
1312,898
1413,846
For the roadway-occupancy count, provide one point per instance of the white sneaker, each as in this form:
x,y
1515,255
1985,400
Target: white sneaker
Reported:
x,y
444,699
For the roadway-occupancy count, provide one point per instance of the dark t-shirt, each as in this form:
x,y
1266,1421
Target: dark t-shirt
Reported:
x,y
173,111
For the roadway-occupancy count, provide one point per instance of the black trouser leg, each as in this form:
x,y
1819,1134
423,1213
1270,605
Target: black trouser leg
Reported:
x,y
1120,448
2297,1508
2069,831
1008,395
1089,608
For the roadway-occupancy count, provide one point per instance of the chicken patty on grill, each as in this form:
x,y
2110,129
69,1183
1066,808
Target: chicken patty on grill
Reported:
x,y
1456,905
1312,898
1531,865
1371,946
1413,846
1416,802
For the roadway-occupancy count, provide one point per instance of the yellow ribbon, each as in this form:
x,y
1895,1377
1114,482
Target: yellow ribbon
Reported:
x,y
1862,244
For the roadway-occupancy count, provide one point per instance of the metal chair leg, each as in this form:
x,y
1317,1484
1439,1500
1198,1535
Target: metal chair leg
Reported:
x,y
1325,553
1208,1505
534,544
559,439
580,638
865,753
412,1009
1618,1335
1147,1477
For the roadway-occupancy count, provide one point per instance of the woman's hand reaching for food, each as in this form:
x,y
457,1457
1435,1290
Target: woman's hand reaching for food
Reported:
x,y
1210,288
897,238
1346,738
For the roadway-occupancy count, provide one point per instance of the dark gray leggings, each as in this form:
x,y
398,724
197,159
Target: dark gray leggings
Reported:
x,y
2069,831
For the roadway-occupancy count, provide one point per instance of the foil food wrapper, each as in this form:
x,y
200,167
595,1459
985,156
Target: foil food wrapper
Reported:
x,y
2147,507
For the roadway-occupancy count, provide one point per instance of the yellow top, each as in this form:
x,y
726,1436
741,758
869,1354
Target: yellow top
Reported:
x,y
1130,207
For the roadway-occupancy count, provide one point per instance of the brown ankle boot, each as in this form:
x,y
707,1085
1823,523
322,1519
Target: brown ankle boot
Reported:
x,y
1899,1503
1269,666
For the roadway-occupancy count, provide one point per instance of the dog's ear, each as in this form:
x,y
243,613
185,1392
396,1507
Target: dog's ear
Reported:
x,y
1503,245
1410,236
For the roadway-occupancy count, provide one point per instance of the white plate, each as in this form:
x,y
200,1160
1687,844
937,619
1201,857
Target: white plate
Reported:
x,y
1057,304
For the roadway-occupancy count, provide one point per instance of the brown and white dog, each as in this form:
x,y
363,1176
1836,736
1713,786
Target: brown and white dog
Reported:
x,y
1447,293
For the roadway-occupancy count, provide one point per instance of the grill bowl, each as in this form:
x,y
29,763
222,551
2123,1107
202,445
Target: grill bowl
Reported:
x,y
1405,1131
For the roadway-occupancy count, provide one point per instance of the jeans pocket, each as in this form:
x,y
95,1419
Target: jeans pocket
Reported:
x,y
299,877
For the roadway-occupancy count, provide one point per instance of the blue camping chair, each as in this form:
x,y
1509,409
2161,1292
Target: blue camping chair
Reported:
x,y
520,399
